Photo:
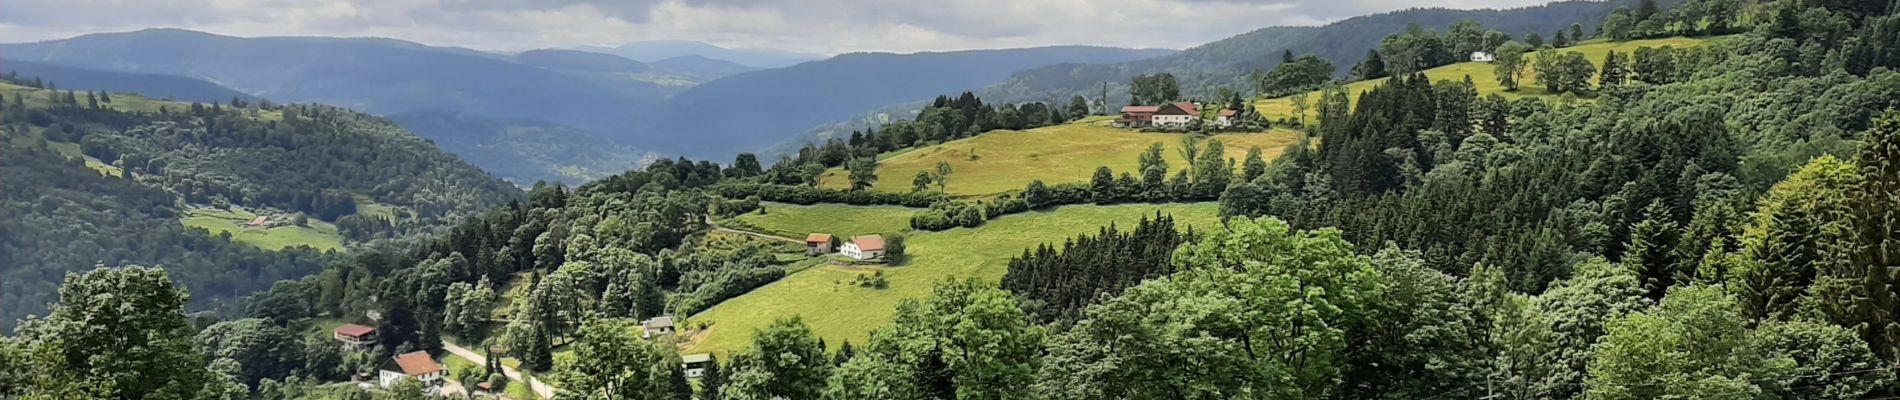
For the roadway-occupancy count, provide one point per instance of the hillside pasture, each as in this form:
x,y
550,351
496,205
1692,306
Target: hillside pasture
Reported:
x,y
838,310
845,221
1005,160
318,235
1483,75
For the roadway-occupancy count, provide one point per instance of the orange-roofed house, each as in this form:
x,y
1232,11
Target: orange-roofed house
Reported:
x,y
355,337
864,247
415,365
819,243
1227,118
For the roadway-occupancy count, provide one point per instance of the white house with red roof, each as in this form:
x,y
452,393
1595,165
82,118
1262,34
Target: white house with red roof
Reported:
x,y
863,247
1227,118
415,365
1176,114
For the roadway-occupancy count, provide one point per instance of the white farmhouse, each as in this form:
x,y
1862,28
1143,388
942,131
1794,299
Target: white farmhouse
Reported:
x,y
1479,56
1178,114
863,247
415,365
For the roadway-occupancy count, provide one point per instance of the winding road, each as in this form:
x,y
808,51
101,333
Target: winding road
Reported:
x,y
540,388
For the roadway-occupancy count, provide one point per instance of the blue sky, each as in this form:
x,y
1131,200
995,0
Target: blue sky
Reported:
x,y
811,26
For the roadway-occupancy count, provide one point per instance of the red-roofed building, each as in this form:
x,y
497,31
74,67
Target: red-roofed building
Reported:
x,y
1177,114
864,247
416,365
355,337
1137,116
1227,118
819,243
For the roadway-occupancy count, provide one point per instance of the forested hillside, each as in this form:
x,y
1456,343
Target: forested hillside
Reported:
x,y
1707,222
103,179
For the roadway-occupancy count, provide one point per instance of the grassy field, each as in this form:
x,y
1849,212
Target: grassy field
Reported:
x,y
319,235
1483,75
795,221
839,311
1004,160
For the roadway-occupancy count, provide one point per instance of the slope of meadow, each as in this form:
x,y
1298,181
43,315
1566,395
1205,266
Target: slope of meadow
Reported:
x,y
1484,76
1005,160
838,310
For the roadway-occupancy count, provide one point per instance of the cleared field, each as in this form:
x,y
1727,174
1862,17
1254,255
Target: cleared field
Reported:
x,y
319,235
837,310
1004,160
795,221
1483,75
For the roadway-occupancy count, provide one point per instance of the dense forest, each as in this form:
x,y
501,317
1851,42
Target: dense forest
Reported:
x,y
1722,224
61,215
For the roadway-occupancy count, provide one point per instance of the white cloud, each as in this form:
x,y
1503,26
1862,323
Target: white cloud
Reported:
x,y
815,26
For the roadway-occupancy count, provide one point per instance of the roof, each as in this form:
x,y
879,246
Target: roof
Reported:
x,y
869,242
260,220
417,364
1179,108
1229,113
658,322
696,358
818,238
1140,109
354,330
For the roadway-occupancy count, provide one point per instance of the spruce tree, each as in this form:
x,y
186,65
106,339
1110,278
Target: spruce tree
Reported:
x,y
1651,249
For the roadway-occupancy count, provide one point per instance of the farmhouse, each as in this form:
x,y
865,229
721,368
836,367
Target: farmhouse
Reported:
x,y
416,365
864,247
355,337
658,326
1137,116
819,243
1479,56
695,364
1227,118
259,222
1177,114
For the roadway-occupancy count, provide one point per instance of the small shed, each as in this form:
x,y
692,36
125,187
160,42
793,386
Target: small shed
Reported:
x,y
661,325
819,243
695,364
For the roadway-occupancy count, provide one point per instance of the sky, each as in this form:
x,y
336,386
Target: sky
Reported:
x,y
809,26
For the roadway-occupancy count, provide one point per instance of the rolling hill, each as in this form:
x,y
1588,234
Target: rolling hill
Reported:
x,y
1004,160
757,109
137,181
159,86
1484,76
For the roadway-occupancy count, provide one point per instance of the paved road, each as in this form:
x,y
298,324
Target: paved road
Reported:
x,y
540,388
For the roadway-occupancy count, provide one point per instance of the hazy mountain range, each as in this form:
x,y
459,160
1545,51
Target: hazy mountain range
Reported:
x,y
654,51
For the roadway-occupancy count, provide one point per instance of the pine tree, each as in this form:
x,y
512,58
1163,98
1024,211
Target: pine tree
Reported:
x,y
1650,253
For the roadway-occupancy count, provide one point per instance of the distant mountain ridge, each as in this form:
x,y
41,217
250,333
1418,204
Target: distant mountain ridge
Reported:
x,y
765,107
656,50
383,76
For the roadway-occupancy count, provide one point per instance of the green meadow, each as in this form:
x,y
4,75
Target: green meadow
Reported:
x,y
838,310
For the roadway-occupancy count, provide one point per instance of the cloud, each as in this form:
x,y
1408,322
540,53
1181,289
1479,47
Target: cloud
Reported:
x,y
814,26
